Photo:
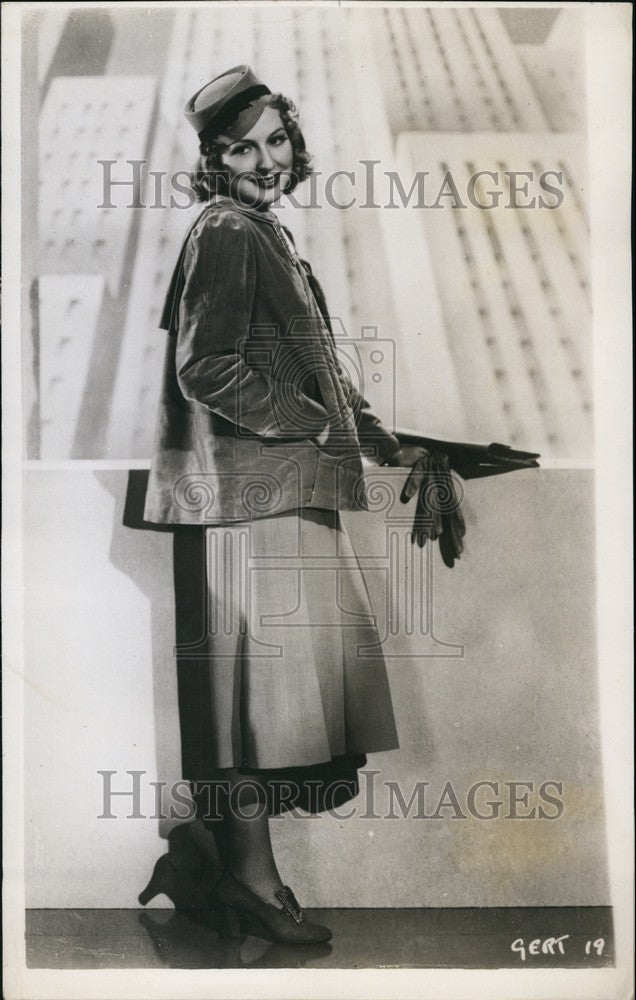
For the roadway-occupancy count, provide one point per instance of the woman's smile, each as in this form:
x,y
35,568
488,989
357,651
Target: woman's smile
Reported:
x,y
265,182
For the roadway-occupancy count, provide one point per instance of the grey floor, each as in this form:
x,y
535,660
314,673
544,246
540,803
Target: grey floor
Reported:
x,y
362,938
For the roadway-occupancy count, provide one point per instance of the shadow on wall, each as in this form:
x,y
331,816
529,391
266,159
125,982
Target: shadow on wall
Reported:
x,y
140,550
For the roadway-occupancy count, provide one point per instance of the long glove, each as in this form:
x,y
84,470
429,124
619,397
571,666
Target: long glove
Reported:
x,y
437,510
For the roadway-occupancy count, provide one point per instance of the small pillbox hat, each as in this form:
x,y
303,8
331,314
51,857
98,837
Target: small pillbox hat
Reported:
x,y
237,87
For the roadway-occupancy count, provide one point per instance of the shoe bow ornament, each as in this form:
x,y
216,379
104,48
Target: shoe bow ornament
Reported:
x,y
438,512
290,903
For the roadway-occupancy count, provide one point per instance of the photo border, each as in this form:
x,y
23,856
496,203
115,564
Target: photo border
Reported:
x,y
609,56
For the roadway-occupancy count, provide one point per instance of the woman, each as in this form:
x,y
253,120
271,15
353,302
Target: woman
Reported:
x,y
259,443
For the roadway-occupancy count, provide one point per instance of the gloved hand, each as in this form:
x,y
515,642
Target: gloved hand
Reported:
x,y
437,510
469,460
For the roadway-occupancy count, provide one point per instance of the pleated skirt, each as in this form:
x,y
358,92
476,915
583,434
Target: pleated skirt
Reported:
x,y
287,677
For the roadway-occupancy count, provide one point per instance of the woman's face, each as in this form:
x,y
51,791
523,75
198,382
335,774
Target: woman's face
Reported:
x,y
260,163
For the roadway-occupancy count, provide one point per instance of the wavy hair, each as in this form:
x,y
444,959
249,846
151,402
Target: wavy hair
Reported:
x,y
210,176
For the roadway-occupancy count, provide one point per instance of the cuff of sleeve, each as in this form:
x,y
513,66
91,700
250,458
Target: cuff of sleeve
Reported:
x,y
387,447
321,438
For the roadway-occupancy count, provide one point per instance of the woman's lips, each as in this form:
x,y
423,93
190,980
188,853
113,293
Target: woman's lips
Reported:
x,y
267,182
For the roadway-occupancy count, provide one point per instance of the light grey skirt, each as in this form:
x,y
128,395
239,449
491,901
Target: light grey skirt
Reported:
x,y
295,668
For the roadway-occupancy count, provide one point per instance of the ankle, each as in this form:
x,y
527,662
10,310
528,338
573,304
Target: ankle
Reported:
x,y
261,885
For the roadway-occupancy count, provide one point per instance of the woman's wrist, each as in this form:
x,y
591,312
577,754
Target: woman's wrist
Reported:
x,y
388,451
407,456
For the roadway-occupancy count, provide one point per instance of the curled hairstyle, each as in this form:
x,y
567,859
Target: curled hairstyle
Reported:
x,y
211,176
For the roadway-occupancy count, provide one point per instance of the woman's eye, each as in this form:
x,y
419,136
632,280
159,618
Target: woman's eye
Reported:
x,y
278,139
240,150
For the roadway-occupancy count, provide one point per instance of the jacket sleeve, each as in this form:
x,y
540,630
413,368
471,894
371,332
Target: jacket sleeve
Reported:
x,y
372,434
214,321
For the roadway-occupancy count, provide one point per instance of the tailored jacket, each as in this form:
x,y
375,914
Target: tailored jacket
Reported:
x,y
256,414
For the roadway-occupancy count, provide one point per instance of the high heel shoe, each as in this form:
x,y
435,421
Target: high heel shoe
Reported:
x,y
184,887
185,874
287,925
